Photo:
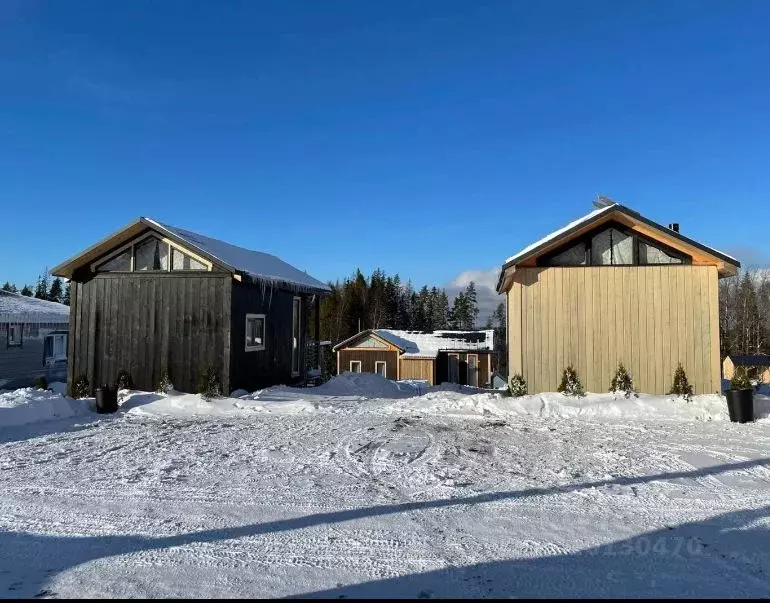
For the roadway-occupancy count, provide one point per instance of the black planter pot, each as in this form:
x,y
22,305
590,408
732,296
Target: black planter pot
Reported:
x,y
106,399
740,405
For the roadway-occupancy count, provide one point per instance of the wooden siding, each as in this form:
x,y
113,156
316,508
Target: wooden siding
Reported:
x,y
368,358
418,368
648,317
257,369
146,322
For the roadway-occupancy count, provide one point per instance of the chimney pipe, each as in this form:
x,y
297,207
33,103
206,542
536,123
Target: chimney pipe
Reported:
x,y
674,226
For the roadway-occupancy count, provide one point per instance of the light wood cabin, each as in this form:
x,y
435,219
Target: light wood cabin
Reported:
x,y
463,357
615,287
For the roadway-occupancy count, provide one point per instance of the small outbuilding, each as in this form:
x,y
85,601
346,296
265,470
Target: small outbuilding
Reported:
x,y
757,366
463,357
33,340
152,298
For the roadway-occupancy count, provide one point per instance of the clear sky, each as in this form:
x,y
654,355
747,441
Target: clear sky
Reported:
x,y
426,138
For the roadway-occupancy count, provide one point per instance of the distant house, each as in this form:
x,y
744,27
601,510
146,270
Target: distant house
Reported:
x,y
152,297
33,340
757,366
615,287
463,357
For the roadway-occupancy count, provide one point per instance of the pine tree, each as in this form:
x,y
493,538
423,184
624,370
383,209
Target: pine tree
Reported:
x,y
41,290
56,294
570,383
473,306
27,290
681,385
8,287
66,298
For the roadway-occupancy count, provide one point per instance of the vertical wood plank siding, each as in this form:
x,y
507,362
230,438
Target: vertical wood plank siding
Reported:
x,y
262,368
144,323
368,358
419,368
650,318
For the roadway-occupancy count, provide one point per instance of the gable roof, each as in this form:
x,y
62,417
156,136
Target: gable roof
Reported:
x,y
750,360
258,265
15,307
420,344
665,235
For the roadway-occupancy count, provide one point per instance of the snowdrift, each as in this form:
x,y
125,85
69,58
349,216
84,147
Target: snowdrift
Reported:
x,y
31,405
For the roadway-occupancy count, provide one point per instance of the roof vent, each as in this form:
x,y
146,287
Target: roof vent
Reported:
x,y
674,226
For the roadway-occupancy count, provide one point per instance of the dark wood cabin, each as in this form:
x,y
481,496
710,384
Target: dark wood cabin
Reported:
x,y
463,357
153,297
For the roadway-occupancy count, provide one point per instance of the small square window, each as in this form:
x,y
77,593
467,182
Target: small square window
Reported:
x,y
255,332
355,366
15,335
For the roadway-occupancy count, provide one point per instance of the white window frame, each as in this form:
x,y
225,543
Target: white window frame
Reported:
x,y
18,341
360,368
385,370
261,346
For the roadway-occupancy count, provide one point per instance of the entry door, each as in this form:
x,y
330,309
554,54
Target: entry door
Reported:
x,y
295,335
473,370
454,368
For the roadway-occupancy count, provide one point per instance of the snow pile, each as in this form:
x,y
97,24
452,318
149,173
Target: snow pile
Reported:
x,y
364,385
194,405
31,405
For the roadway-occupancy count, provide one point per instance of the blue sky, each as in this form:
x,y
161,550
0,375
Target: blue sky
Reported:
x,y
426,138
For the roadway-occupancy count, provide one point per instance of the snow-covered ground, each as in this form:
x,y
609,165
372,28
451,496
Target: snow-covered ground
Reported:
x,y
362,487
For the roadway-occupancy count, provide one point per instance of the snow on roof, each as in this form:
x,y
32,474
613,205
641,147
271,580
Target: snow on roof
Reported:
x,y
592,216
260,265
557,233
418,344
15,307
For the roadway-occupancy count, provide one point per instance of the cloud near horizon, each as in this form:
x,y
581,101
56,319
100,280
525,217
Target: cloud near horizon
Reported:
x,y
486,281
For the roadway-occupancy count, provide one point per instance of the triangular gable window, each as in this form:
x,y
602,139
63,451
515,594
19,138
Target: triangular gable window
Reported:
x,y
151,254
614,246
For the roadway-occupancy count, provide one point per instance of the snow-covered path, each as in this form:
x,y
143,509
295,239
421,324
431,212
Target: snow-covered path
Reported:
x,y
350,497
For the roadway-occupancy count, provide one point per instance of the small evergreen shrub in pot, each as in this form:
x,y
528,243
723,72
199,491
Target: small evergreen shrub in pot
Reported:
x,y
518,386
570,383
740,397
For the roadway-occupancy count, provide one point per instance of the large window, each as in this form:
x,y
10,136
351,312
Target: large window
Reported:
x,y
151,254
355,366
613,246
255,332
381,368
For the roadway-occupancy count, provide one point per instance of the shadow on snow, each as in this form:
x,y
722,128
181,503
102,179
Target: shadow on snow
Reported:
x,y
716,557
